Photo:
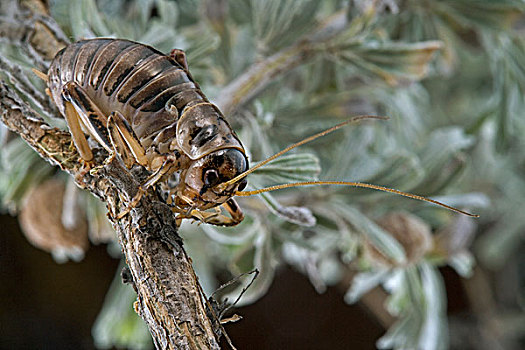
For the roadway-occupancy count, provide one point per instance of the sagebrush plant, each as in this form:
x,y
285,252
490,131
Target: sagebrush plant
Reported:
x,y
450,75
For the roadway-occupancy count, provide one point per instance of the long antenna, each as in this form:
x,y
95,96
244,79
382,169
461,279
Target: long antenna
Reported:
x,y
354,184
295,145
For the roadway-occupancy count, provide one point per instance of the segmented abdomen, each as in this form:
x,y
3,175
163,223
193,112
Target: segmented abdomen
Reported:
x,y
124,76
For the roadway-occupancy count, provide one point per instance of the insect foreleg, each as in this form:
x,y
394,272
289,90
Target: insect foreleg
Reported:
x,y
234,210
231,206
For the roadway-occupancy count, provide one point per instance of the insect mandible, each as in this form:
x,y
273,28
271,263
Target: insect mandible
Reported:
x,y
145,107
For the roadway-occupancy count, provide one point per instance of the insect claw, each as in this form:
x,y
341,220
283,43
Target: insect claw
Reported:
x,y
85,168
133,203
110,158
94,170
123,213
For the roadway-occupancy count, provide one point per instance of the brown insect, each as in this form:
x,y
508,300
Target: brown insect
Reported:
x,y
145,107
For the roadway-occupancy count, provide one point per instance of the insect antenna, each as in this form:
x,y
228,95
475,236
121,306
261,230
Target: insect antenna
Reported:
x,y
295,145
341,183
354,184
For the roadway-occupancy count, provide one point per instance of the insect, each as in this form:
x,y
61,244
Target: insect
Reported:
x,y
145,107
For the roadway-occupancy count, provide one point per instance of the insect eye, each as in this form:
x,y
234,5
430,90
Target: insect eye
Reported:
x,y
211,177
242,185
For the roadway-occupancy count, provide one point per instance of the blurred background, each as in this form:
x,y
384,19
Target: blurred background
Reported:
x,y
339,267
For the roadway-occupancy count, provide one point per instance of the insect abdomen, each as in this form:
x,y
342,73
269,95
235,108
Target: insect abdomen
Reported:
x,y
120,75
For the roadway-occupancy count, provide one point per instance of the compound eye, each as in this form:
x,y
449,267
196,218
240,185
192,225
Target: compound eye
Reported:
x,y
242,185
211,177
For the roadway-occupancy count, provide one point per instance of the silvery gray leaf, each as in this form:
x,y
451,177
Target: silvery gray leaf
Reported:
x,y
363,283
246,230
291,168
264,261
297,215
381,239
434,331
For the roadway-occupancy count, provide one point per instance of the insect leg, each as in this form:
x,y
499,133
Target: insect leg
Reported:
x,y
124,141
217,219
234,210
166,168
92,118
79,139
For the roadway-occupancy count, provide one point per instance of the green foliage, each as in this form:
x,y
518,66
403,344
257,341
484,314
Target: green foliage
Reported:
x,y
450,76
